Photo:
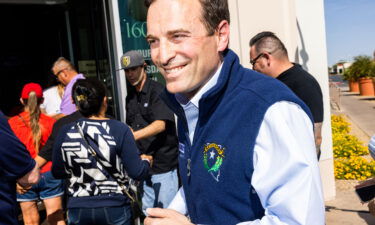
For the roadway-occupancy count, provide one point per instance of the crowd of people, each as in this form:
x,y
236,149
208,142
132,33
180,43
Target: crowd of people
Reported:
x,y
243,151
87,159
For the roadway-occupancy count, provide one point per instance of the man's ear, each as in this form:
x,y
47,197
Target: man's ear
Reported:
x,y
268,57
223,35
21,100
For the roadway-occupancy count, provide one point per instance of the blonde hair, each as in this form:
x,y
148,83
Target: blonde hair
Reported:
x,y
32,105
60,89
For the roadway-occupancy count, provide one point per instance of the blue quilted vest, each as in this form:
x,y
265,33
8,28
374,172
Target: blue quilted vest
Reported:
x,y
216,170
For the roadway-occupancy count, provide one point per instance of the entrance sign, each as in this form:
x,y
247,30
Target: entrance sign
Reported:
x,y
133,15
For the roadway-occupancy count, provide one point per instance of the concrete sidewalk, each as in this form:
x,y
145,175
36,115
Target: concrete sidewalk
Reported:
x,y
359,109
346,208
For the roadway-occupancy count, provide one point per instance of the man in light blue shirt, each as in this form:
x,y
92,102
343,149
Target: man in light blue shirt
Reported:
x,y
247,152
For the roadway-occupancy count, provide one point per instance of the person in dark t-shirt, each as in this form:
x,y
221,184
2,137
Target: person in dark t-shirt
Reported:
x,y
269,56
16,165
154,129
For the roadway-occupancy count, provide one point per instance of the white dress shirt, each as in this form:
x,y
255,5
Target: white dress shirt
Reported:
x,y
286,174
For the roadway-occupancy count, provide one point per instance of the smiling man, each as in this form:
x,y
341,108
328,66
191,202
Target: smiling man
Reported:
x,y
246,152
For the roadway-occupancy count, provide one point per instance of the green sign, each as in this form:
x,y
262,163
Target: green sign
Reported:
x,y
133,15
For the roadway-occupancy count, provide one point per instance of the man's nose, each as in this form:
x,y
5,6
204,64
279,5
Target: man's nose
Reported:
x,y
166,52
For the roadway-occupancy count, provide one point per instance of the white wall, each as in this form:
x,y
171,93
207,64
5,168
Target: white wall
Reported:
x,y
313,57
249,17
300,26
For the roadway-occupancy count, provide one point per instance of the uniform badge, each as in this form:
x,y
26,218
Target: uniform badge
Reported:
x,y
126,61
213,156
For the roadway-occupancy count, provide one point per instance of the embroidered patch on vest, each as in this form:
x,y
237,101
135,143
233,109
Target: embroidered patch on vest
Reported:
x,y
213,155
181,148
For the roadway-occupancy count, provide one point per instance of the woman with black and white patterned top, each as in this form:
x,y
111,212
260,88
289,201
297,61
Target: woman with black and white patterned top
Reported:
x,y
94,196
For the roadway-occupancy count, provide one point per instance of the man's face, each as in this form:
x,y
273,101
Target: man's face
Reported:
x,y
257,60
135,75
180,47
60,73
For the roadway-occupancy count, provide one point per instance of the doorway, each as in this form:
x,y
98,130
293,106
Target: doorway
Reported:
x,y
35,35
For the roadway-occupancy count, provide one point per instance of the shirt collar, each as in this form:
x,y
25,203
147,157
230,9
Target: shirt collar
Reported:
x,y
195,100
146,86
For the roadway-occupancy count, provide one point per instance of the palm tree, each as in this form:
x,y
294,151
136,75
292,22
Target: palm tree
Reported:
x,y
361,67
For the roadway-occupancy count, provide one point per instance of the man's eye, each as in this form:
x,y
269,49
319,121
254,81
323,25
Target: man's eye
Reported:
x,y
179,36
152,43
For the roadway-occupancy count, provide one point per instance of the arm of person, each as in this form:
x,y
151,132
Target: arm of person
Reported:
x,y
59,170
161,115
30,178
15,161
133,164
318,137
152,129
286,174
58,116
40,161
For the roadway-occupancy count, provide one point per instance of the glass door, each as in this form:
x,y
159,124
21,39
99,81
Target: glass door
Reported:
x,y
90,43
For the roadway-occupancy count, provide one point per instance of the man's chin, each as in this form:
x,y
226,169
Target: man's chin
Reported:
x,y
174,88
181,89
134,83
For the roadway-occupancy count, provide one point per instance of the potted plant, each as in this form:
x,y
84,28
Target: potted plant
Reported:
x,y
352,79
362,66
372,74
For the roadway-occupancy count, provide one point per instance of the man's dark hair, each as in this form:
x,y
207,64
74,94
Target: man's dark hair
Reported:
x,y
267,41
213,12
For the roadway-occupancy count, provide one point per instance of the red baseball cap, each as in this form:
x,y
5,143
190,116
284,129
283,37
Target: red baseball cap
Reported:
x,y
32,87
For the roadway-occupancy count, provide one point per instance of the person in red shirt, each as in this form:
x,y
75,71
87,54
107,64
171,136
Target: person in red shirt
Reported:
x,y
33,129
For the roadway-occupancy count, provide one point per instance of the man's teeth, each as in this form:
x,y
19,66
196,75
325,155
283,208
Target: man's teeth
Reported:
x,y
174,69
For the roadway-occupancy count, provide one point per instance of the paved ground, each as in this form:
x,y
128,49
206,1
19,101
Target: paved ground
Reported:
x,y
346,208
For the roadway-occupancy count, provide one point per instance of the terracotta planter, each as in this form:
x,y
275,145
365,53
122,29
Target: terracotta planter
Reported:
x,y
353,86
366,87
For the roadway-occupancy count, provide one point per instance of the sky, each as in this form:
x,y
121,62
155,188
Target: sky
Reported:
x,y
350,29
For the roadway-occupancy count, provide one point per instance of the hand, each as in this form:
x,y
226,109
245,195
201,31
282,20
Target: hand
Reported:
x,y
158,216
22,190
147,157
